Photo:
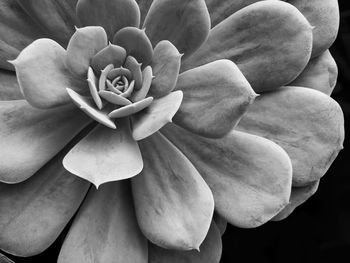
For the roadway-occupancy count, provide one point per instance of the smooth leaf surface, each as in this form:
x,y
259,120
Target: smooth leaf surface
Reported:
x,y
105,155
250,177
31,137
105,229
185,24
216,95
210,251
306,123
33,213
174,206
270,41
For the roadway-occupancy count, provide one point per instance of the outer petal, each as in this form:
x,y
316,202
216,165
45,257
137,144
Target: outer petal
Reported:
x,y
324,16
210,251
17,30
112,15
82,47
105,229
9,88
216,96
186,24
57,18
174,206
166,66
299,195
136,43
308,124
219,10
31,137
159,113
34,212
250,176
320,74
105,155
270,41
43,76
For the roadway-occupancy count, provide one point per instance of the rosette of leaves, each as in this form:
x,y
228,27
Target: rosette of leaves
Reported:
x,y
155,103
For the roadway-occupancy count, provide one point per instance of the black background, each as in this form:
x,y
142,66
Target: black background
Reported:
x,y
317,231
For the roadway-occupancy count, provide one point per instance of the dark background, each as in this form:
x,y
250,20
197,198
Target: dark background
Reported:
x,y
317,231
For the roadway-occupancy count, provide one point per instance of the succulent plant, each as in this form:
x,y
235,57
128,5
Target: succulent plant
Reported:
x,y
171,109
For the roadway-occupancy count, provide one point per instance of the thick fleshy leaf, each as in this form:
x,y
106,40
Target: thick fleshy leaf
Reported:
x,y
112,15
174,206
105,155
136,43
31,137
147,76
92,83
250,176
85,43
219,10
166,66
216,96
17,30
270,53
131,108
324,16
43,76
112,54
186,24
87,106
33,213
9,88
306,123
57,18
320,74
299,195
135,69
210,251
159,113
105,229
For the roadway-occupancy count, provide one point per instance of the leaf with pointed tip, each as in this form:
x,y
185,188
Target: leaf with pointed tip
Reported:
x,y
92,82
159,113
17,30
136,44
9,88
57,18
216,96
166,66
219,10
105,229
209,251
112,54
147,76
31,137
85,43
111,15
135,68
299,195
250,176
86,105
131,108
320,73
270,53
324,16
34,212
174,206
105,155
306,123
43,76
186,24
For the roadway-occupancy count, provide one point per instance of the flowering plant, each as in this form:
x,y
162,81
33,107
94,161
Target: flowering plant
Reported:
x,y
96,104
